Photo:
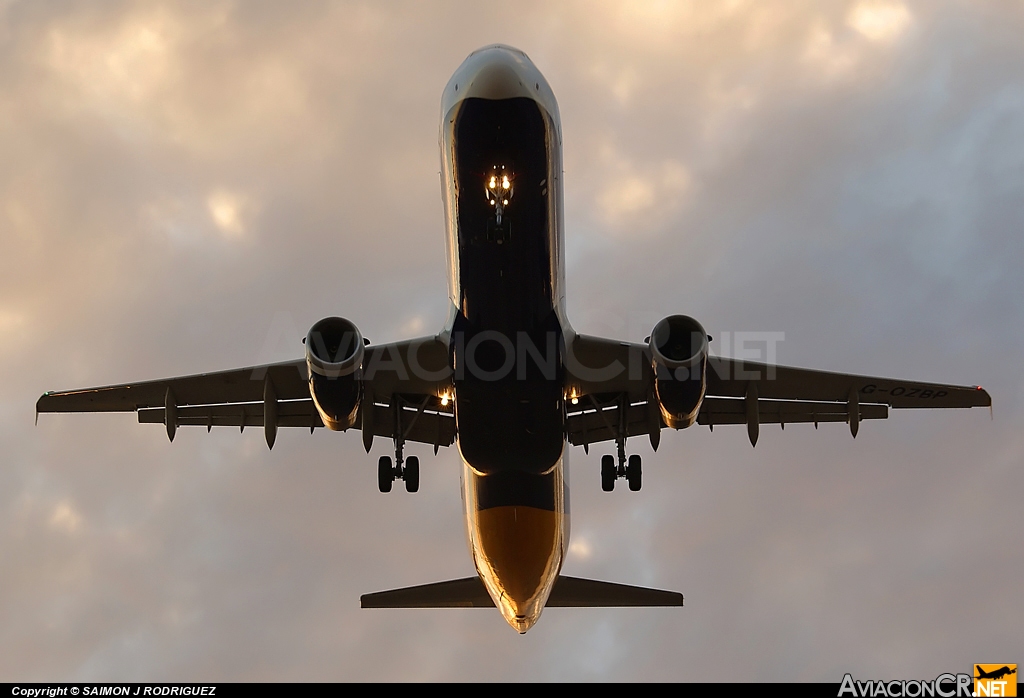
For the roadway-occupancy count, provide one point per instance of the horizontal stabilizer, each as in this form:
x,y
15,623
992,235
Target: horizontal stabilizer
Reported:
x,y
568,592
455,593
573,592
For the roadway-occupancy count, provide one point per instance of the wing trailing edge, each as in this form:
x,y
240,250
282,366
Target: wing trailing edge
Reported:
x,y
568,592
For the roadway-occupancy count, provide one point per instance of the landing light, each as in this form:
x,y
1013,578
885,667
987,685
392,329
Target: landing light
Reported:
x,y
499,190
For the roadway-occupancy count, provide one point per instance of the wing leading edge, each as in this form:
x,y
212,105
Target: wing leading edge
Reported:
x,y
247,396
737,392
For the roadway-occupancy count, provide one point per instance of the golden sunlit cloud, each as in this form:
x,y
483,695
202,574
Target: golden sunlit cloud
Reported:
x,y
879,20
65,518
225,210
628,196
827,56
156,74
659,24
12,329
634,195
413,326
10,321
619,80
129,63
580,548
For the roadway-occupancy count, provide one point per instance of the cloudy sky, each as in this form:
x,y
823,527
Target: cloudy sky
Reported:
x,y
187,187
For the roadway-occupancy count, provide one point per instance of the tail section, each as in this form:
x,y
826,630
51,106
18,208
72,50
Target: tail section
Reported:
x,y
456,593
568,592
573,592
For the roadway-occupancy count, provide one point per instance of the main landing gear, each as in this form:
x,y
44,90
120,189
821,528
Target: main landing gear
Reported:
x,y
408,471
630,468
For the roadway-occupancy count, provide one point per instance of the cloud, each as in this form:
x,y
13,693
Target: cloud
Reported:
x,y
64,518
226,211
635,199
128,63
187,188
879,20
11,321
580,548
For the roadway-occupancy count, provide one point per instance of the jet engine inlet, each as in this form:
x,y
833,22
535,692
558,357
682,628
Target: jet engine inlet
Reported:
x,y
679,351
334,358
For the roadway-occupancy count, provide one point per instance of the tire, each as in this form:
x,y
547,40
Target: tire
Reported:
x,y
607,473
634,473
412,474
385,474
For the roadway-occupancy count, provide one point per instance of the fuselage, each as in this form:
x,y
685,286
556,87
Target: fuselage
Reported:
x,y
501,166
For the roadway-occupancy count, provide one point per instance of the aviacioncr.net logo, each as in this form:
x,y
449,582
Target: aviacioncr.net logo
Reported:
x,y
995,680
943,686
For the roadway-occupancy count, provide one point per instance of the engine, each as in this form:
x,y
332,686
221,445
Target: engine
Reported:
x,y
334,357
679,349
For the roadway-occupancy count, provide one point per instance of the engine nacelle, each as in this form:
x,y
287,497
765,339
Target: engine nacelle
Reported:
x,y
334,358
679,350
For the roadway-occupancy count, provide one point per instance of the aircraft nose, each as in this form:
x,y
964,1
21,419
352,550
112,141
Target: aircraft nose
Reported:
x,y
495,72
522,623
498,78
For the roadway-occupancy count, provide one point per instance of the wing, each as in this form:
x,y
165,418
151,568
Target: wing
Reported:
x,y
732,378
611,383
246,396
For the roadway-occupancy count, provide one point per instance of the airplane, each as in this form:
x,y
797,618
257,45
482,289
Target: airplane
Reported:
x,y
995,674
507,379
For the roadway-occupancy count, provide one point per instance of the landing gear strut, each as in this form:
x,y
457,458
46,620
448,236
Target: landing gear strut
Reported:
x,y
630,469
407,469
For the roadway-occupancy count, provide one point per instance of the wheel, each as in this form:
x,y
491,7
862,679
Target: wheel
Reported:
x,y
385,474
412,474
607,473
634,474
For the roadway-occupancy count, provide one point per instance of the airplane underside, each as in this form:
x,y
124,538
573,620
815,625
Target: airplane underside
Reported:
x,y
508,379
